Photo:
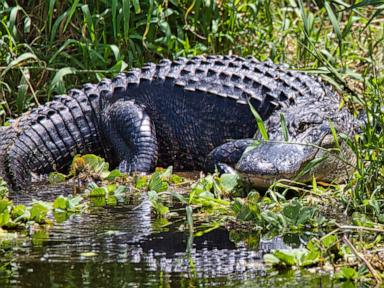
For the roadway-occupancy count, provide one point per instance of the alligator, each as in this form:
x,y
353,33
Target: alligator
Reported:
x,y
193,114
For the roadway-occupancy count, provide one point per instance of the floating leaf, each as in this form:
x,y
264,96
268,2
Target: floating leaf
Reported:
x,y
56,177
156,183
98,192
229,182
141,182
39,212
60,202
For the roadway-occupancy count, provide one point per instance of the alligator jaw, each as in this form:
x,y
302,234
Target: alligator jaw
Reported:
x,y
272,161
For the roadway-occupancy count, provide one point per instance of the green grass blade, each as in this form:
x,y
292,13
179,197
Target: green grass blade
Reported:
x,y
114,17
58,84
126,17
12,23
56,26
28,56
50,14
284,128
136,6
334,134
309,166
334,21
70,14
259,121
89,22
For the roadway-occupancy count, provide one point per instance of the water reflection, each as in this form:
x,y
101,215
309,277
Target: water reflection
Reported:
x,y
117,247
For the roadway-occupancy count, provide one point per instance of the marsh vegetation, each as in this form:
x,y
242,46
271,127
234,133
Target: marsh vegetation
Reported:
x,y
47,47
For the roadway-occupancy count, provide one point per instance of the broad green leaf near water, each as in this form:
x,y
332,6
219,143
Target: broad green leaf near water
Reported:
x,y
292,257
98,192
229,182
156,183
60,203
56,177
159,208
39,212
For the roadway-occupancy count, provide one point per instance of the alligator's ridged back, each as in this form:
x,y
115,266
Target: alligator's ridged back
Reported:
x,y
46,138
197,104
233,77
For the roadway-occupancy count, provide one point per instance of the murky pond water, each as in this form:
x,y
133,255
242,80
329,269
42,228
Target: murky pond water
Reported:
x,y
122,247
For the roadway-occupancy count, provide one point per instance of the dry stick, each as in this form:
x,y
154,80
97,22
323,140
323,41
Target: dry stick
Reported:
x,y
361,257
361,228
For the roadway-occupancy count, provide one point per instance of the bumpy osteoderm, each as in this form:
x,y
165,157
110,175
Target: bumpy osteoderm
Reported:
x,y
182,113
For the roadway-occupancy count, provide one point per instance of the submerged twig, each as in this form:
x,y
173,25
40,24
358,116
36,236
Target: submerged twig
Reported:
x,y
362,258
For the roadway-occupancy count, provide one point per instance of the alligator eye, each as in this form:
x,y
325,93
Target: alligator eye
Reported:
x,y
302,127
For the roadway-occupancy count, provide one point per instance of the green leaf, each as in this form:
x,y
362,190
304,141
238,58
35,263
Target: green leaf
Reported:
x,y
56,177
136,5
19,60
229,182
259,121
4,218
18,211
329,241
347,273
60,202
286,256
176,179
74,203
57,83
159,207
141,182
113,175
96,163
310,165
39,212
157,184
98,192
167,173
271,259
5,204
284,127
334,21
70,14
334,134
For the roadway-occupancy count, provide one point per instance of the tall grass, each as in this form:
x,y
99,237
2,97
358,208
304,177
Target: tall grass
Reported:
x,y
48,46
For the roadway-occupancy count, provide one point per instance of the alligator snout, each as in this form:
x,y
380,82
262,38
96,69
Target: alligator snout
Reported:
x,y
272,161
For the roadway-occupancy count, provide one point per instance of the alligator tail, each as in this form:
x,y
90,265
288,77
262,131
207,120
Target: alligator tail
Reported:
x,y
47,138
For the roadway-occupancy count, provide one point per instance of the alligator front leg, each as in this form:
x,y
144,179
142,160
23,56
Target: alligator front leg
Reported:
x,y
131,136
227,155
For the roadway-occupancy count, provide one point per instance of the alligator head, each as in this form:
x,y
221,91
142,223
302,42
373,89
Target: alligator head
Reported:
x,y
308,149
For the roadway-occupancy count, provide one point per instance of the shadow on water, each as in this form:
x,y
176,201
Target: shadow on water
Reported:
x,y
118,247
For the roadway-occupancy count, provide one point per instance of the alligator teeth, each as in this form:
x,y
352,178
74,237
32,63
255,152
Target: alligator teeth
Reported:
x,y
201,88
181,83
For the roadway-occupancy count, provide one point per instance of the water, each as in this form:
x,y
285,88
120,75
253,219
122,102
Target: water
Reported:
x,y
122,247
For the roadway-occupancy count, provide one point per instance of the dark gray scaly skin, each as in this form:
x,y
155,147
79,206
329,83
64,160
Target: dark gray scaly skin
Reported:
x,y
183,113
